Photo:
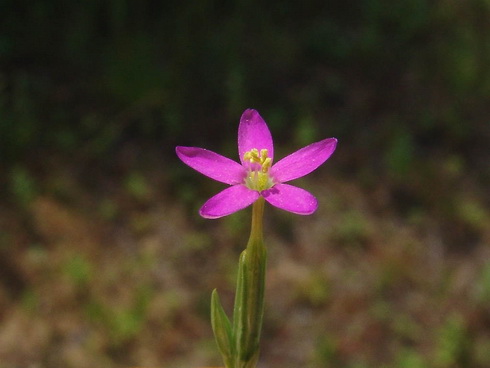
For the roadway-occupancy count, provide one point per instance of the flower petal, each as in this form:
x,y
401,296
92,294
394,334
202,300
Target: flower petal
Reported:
x,y
291,198
303,161
211,164
253,133
228,201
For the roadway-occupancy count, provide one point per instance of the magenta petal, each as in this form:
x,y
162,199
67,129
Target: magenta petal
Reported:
x,y
228,201
291,198
253,133
303,161
211,164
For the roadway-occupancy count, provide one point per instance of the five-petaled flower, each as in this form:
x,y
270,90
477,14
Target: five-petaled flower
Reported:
x,y
256,176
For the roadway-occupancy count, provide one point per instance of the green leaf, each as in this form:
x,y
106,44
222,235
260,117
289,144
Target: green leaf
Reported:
x,y
222,329
240,307
249,304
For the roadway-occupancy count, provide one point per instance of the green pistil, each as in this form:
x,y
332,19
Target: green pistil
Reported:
x,y
258,174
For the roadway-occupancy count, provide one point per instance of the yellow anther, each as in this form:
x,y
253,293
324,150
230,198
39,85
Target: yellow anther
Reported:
x,y
258,176
266,164
252,156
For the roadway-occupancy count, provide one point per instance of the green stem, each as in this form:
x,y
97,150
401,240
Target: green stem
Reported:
x,y
249,302
257,215
238,341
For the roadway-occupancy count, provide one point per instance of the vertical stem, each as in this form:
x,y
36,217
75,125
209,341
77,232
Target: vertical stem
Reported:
x,y
249,302
257,215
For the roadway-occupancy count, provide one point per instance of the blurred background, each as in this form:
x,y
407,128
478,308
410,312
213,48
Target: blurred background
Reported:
x,y
104,260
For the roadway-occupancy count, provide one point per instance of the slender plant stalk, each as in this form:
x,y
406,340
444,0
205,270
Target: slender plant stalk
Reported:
x,y
239,341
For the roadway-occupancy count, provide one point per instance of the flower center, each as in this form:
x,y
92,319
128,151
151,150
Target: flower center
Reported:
x,y
258,170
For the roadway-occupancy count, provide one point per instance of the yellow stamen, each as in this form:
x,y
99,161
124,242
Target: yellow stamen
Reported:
x,y
266,165
258,175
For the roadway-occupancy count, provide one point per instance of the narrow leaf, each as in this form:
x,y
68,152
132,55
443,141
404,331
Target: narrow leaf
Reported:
x,y
240,309
249,303
222,329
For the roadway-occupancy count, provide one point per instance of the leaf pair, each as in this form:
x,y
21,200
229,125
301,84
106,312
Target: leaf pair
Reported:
x,y
238,342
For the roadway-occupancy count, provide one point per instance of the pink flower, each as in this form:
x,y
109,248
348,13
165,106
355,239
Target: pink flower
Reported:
x,y
256,176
